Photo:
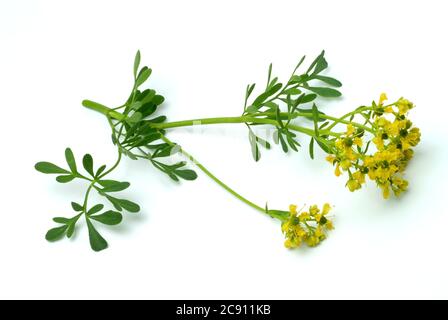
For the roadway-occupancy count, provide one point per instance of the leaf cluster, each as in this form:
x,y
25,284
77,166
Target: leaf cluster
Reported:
x,y
93,214
136,137
281,102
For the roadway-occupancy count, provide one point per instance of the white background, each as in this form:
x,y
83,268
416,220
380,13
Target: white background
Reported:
x,y
193,240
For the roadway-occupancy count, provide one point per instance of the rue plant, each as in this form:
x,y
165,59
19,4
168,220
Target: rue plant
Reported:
x,y
374,141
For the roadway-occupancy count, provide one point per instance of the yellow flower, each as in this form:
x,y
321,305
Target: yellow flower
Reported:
x,y
350,130
330,158
353,185
386,191
337,171
312,241
359,176
293,209
379,142
346,164
304,216
383,97
288,243
404,106
326,208
357,141
310,228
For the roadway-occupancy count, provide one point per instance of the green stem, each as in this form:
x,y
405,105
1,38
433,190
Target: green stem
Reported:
x,y
113,167
341,119
222,184
242,119
219,120
86,197
103,109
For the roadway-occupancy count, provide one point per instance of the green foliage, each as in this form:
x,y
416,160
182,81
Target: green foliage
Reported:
x,y
294,95
97,182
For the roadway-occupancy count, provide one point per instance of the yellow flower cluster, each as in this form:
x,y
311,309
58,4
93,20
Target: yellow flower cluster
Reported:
x,y
309,227
393,138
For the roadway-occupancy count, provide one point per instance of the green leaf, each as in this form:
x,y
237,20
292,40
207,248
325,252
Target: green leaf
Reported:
x,y
143,141
263,143
71,229
121,204
95,209
49,168
70,158
158,100
77,207
299,64
262,97
97,242
65,178
157,119
325,92
100,171
109,217
269,75
249,90
308,98
314,63
87,162
295,79
146,96
136,117
283,143
321,65
292,143
186,174
311,148
61,220
143,75
254,146
292,92
315,120
107,183
278,117
331,81
136,63
147,109
116,187
129,205
56,233
323,146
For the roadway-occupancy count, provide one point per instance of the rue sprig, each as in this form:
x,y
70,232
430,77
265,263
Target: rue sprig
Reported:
x,y
139,131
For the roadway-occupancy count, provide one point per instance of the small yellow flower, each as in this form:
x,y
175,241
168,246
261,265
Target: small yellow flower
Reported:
x,y
386,191
326,208
337,170
359,176
304,216
312,241
404,105
310,228
379,142
350,130
353,185
346,164
383,97
388,109
357,141
293,209
314,210
330,158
